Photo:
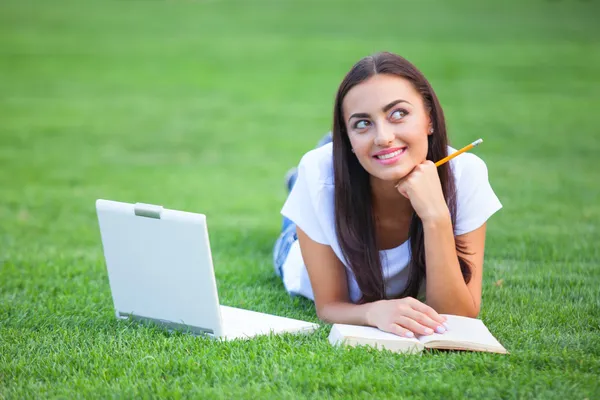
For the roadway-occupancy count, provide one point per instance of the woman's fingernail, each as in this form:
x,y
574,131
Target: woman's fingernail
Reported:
x,y
446,326
428,331
440,329
409,334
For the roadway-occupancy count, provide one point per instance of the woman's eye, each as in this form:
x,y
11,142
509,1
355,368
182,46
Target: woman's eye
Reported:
x,y
398,114
362,124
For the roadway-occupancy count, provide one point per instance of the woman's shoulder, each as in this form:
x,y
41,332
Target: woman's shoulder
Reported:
x,y
317,165
467,164
475,198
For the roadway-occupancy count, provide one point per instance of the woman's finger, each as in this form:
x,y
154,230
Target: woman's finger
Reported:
x,y
425,309
401,184
402,189
425,320
413,326
400,331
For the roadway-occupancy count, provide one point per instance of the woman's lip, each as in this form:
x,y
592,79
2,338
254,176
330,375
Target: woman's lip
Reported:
x,y
388,151
391,160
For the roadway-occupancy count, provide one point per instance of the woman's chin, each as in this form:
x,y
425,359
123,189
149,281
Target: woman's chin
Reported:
x,y
389,172
391,176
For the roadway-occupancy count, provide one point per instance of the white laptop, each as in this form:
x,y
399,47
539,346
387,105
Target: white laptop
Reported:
x,y
160,269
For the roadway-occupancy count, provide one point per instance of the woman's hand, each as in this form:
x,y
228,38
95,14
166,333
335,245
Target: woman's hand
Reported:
x,y
405,317
423,188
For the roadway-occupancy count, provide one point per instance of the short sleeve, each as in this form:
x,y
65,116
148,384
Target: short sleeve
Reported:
x,y
301,204
476,201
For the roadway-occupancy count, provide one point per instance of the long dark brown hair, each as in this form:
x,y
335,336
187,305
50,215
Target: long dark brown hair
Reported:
x,y
354,219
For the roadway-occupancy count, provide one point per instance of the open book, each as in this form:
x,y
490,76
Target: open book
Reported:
x,y
463,334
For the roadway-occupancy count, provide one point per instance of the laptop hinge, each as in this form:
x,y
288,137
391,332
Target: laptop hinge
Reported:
x,y
195,330
147,210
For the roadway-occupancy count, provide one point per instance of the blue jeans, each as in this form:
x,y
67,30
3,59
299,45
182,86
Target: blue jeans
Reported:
x,y
288,235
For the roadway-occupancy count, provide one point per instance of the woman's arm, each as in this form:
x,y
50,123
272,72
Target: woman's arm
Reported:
x,y
446,289
328,279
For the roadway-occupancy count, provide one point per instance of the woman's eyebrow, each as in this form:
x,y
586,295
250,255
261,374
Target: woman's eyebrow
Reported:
x,y
393,103
359,115
385,109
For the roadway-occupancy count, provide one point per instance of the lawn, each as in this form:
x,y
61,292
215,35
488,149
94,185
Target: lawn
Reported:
x,y
203,105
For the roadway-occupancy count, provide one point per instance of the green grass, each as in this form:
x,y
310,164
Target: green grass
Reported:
x,y
203,105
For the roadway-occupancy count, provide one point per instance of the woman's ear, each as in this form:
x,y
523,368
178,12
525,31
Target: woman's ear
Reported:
x,y
430,129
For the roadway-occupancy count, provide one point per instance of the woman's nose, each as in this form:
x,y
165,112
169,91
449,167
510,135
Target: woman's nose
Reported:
x,y
384,135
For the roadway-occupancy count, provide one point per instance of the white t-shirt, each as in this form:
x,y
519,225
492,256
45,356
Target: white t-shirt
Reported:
x,y
310,206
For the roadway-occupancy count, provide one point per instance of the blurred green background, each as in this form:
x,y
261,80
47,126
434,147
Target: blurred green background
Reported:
x,y
203,105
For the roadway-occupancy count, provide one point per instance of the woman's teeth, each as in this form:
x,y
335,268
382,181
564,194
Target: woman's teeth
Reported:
x,y
389,155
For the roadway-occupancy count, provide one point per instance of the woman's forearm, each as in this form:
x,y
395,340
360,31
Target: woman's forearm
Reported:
x,y
344,313
446,289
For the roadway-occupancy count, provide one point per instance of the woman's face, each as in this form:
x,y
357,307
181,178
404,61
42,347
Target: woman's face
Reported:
x,y
387,125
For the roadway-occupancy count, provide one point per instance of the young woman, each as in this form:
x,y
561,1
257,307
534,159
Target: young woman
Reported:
x,y
371,225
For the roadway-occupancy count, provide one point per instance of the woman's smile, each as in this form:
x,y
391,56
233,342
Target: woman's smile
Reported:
x,y
390,156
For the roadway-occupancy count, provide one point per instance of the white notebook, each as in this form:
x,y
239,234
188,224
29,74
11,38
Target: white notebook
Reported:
x,y
463,334
239,323
160,270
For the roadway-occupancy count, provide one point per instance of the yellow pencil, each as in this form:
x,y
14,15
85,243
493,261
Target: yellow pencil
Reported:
x,y
459,152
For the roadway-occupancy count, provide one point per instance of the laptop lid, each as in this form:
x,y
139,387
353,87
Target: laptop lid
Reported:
x,y
160,265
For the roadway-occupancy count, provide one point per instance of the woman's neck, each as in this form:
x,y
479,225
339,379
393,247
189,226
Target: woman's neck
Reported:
x,y
388,202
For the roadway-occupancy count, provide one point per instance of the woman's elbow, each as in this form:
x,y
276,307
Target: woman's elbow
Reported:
x,y
465,310
471,311
323,314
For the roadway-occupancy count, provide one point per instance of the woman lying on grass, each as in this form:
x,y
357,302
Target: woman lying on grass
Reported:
x,y
363,249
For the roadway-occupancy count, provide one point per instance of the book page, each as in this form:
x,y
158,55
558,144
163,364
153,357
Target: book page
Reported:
x,y
353,335
463,333
368,332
